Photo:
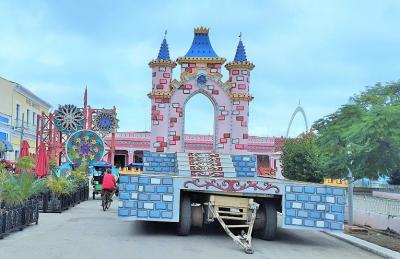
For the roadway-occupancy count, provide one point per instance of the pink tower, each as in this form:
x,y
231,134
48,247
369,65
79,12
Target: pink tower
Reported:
x,y
239,79
160,98
200,74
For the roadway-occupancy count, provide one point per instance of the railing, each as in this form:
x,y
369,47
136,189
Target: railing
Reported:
x,y
389,188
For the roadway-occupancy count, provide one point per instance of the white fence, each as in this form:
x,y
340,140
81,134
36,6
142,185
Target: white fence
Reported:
x,y
378,213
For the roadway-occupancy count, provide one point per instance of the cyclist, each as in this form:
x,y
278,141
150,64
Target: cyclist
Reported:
x,y
108,183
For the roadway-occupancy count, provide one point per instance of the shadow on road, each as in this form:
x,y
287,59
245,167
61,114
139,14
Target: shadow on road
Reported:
x,y
284,236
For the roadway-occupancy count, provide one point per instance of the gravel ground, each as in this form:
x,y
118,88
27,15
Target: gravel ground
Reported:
x,y
390,241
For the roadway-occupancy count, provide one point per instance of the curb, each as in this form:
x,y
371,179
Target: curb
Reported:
x,y
378,250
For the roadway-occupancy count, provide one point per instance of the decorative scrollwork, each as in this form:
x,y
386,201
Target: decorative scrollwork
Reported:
x,y
231,185
68,118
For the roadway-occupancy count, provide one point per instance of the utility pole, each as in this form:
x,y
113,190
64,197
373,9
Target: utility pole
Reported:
x,y
350,196
350,186
22,132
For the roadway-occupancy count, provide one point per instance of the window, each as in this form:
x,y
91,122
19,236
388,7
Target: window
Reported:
x,y
4,120
17,114
3,136
34,118
28,114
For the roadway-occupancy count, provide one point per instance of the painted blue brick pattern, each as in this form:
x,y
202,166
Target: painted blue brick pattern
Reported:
x,y
245,165
146,197
314,207
159,163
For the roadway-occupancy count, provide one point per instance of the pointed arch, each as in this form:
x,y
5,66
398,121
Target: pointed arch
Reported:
x,y
300,110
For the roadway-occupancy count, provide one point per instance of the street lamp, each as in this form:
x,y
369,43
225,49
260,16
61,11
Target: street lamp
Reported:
x,y
350,186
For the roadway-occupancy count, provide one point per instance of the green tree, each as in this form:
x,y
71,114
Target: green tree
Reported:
x,y
395,177
362,134
300,159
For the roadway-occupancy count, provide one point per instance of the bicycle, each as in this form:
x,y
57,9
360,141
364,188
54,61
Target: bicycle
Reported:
x,y
106,200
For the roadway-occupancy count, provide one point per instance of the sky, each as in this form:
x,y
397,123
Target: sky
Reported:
x,y
317,52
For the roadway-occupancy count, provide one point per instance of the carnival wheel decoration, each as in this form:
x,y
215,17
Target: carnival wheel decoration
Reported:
x,y
105,121
84,146
68,118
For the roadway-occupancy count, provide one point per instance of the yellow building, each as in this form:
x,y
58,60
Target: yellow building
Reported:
x,y
16,104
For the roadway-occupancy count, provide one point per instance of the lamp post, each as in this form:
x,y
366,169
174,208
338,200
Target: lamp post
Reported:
x,y
350,187
350,195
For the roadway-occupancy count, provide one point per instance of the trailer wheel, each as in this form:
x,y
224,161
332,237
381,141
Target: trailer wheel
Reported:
x,y
185,216
268,229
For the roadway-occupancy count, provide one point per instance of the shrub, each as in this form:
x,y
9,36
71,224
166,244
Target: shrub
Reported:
x,y
25,164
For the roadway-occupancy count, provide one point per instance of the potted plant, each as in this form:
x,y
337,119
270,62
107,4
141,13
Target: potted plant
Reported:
x,y
60,191
19,206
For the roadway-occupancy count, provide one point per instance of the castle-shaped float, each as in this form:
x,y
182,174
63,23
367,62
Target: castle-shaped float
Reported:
x,y
178,173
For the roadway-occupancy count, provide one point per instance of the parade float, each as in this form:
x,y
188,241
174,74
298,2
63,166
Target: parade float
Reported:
x,y
221,183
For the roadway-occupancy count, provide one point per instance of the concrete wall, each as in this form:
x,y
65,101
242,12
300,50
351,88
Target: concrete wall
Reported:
x,y
386,195
376,220
378,213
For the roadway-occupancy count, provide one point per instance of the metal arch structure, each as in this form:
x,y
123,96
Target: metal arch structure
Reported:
x,y
299,109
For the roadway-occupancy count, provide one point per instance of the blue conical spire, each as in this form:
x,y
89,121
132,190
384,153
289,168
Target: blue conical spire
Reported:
x,y
163,54
201,45
240,52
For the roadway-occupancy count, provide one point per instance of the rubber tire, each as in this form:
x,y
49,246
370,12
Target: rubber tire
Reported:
x,y
185,216
269,228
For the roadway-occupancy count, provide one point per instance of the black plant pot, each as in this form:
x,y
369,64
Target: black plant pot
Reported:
x,y
2,223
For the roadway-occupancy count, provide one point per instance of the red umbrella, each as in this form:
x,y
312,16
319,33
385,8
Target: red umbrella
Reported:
x,y
24,148
42,163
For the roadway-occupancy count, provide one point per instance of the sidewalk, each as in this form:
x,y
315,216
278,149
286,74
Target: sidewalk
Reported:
x,y
378,250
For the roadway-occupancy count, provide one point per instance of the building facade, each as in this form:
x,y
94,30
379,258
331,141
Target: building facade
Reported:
x,y
19,109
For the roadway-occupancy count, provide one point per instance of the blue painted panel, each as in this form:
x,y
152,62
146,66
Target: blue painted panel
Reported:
x,y
167,181
291,213
124,195
338,191
123,212
297,189
162,189
309,189
290,197
166,214
144,180
155,197
124,179
131,187
161,206
149,188
142,214
155,214
314,207
143,197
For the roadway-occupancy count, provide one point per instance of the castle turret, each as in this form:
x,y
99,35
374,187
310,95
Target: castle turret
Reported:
x,y
239,79
160,95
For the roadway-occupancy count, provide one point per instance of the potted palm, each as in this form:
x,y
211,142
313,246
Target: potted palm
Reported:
x,y
19,206
81,181
60,191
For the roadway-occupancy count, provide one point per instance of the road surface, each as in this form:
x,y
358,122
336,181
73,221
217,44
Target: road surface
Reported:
x,y
85,231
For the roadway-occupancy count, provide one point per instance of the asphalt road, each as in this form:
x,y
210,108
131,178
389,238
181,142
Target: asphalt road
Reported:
x,y
85,231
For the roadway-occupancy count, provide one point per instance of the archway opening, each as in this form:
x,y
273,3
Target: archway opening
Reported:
x,y
199,124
